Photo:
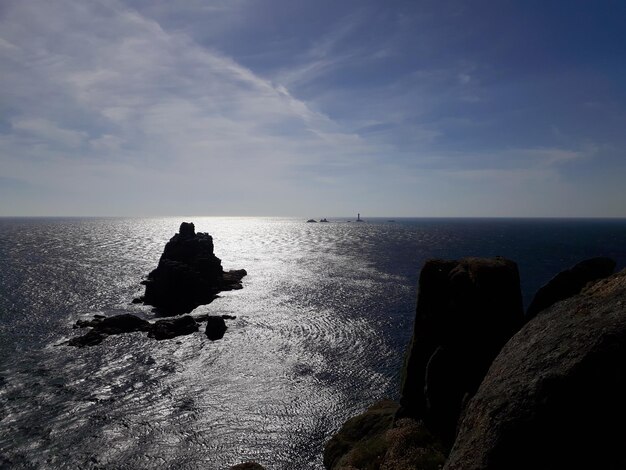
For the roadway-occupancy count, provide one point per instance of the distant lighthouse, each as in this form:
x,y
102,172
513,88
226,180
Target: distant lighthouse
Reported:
x,y
358,217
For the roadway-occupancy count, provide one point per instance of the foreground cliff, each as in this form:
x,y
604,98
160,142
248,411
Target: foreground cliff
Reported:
x,y
555,397
484,391
466,311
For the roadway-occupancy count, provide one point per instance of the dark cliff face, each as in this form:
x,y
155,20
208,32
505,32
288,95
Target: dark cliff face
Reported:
x,y
466,311
548,395
189,274
554,396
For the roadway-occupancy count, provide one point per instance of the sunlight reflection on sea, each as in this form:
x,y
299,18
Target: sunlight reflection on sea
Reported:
x,y
322,324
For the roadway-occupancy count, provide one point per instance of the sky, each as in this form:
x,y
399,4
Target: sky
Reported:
x,y
320,108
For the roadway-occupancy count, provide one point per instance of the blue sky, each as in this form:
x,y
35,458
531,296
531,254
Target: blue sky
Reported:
x,y
316,108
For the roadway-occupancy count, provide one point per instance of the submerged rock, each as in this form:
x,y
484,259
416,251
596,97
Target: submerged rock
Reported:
x,y
570,282
466,311
188,274
554,396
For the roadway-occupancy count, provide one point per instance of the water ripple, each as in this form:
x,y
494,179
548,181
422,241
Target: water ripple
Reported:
x,y
321,327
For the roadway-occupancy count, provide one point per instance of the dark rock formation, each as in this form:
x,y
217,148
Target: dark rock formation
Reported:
x,y
311,221
554,396
105,326
466,311
173,327
215,328
101,327
247,466
117,324
188,274
570,282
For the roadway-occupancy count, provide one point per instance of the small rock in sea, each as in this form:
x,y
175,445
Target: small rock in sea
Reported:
x,y
170,328
247,466
215,328
125,323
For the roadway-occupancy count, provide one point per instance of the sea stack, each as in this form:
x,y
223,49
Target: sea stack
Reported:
x,y
188,274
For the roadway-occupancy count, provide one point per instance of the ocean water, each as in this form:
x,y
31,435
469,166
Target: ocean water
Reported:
x,y
322,325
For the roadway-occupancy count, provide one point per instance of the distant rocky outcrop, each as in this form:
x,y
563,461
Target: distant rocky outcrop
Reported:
x,y
102,326
554,397
188,274
466,311
570,282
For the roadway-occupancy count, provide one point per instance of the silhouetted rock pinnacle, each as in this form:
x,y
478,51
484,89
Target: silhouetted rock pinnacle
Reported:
x,y
189,274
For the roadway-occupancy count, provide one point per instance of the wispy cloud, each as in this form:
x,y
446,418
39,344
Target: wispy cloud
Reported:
x,y
120,88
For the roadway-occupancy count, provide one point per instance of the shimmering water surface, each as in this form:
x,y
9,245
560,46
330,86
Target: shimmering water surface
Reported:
x,y
322,324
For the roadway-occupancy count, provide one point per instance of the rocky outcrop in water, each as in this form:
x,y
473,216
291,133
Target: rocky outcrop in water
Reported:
x,y
188,274
101,327
554,397
105,326
570,282
466,311
248,466
173,327
215,328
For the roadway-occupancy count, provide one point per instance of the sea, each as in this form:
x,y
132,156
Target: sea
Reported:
x,y
321,329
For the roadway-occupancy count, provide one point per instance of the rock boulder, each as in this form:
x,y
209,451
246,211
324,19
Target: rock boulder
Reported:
x,y
554,396
215,328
